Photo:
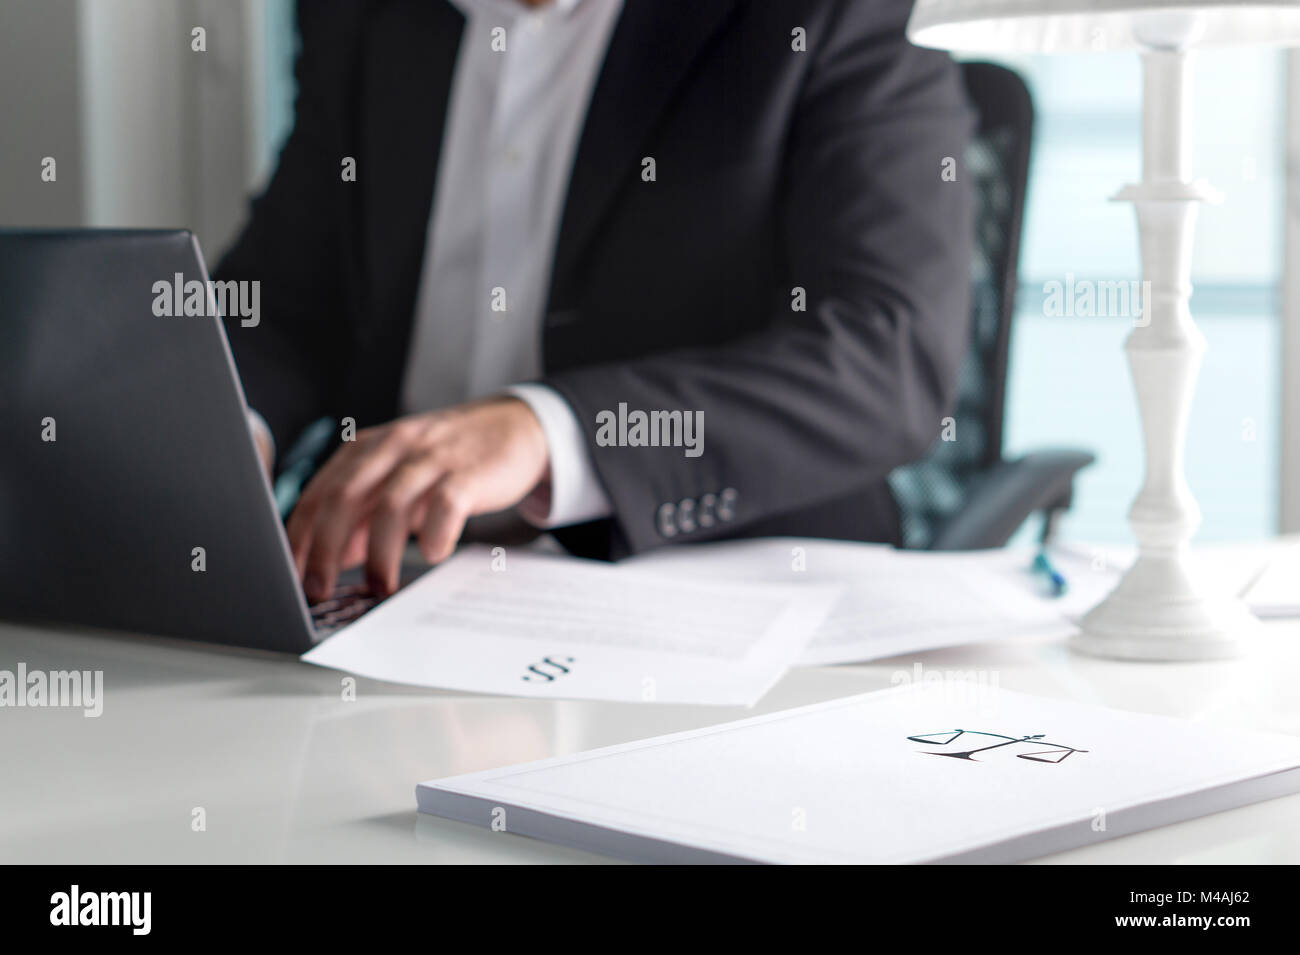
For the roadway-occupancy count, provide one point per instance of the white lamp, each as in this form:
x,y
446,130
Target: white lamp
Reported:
x,y
1156,612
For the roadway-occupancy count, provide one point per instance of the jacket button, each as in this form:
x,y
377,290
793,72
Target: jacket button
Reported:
x,y
708,506
664,520
686,515
727,504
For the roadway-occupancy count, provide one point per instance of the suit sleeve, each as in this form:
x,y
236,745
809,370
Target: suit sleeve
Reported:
x,y
293,243
824,401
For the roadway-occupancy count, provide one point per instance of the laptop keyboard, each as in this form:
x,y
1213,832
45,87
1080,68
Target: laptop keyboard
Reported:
x,y
352,597
346,604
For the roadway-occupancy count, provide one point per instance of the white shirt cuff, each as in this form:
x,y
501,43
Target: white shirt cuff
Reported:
x,y
575,493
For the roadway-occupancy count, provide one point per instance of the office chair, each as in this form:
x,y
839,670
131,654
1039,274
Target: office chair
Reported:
x,y
963,495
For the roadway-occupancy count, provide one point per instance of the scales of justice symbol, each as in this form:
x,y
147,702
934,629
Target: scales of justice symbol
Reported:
x,y
1056,752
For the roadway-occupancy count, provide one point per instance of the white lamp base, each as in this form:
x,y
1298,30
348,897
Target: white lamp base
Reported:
x,y
1157,613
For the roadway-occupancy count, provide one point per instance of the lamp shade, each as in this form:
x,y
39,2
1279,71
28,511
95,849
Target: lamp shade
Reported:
x,y
1080,26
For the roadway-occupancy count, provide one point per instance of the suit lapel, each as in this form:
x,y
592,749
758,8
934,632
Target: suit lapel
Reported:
x,y
650,52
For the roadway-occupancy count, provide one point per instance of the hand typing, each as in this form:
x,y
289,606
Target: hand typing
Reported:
x,y
423,474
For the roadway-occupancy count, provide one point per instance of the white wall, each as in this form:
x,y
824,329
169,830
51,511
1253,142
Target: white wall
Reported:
x,y
170,129
147,131
135,107
40,113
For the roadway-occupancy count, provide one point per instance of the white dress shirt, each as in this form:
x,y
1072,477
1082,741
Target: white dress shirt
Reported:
x,y
513,122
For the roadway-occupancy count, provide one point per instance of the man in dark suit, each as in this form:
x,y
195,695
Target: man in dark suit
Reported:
x,y
649,271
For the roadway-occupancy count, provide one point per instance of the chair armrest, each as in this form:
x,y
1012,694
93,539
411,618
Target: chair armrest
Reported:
x,y
1006,494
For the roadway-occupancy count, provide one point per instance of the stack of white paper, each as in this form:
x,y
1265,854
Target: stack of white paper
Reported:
x,y
897,601
714,623
959,774
529,624
1276,592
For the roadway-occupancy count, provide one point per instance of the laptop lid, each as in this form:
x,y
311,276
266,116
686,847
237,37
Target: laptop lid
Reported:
x,y
131,494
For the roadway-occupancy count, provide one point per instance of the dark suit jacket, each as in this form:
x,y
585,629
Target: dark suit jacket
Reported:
x,y
775,169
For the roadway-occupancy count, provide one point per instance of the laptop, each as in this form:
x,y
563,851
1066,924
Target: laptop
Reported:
x,y
131,494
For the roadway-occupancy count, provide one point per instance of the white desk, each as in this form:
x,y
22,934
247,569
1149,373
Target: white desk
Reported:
x,y
287,771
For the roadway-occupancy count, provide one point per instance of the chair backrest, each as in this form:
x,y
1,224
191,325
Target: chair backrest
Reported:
x,y
930,491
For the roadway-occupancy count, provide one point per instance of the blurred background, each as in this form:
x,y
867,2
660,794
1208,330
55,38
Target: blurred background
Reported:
x,y
146,131
1069,381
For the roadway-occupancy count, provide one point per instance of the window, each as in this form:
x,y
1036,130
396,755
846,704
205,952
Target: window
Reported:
x,y
1069,382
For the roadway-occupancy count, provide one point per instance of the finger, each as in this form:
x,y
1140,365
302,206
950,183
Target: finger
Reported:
x,y
339,502
341,514
353,553
448,505
298,529
392,520
352,471
355,550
